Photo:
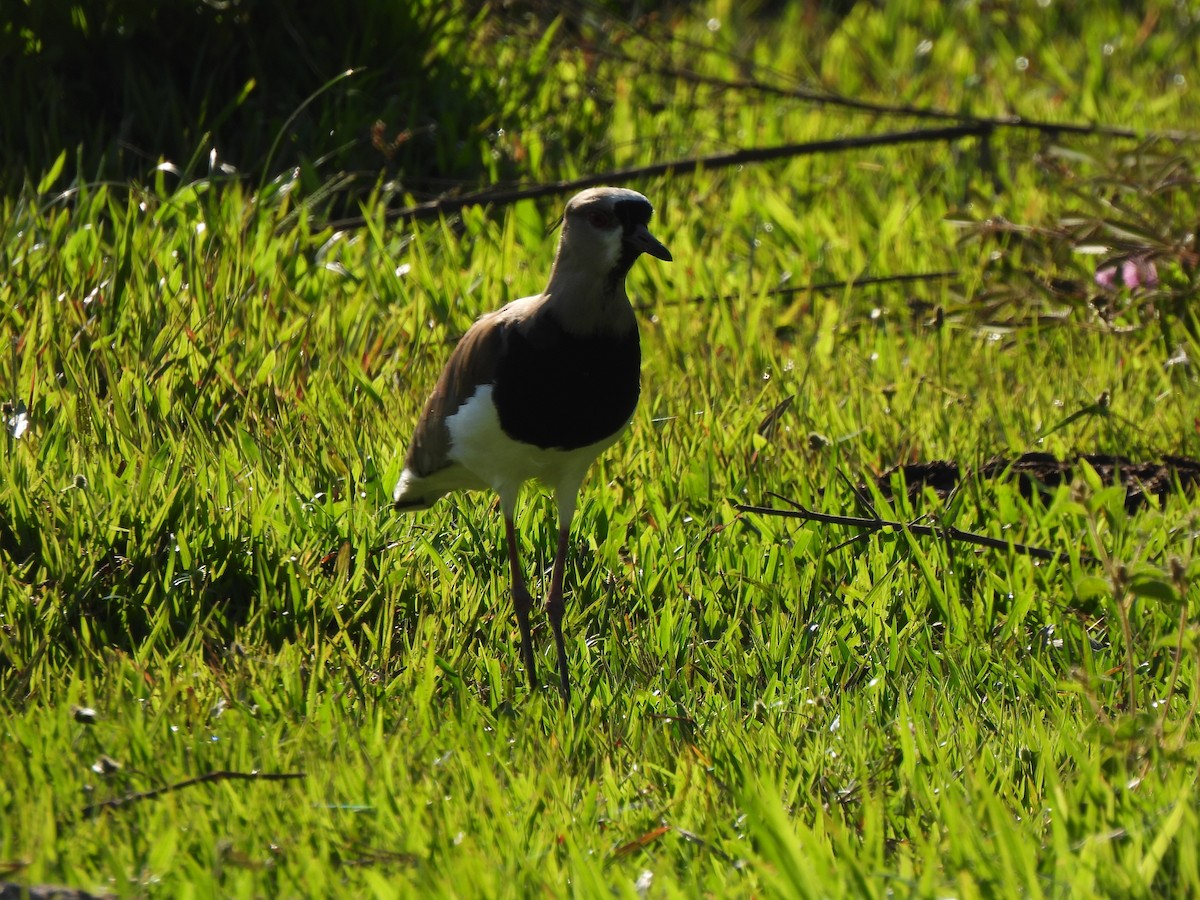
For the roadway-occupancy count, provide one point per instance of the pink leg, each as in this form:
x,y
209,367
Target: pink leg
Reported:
x,y
522,602
555,607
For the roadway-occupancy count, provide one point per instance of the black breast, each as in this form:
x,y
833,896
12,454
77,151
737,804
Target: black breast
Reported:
x,y
557,390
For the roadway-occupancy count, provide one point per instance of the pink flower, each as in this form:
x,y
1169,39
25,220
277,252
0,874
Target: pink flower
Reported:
x,y
1106,277
1132,272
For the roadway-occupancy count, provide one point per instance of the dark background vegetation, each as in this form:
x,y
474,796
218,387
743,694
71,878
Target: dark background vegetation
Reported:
x,y
127,84
130,83
258,87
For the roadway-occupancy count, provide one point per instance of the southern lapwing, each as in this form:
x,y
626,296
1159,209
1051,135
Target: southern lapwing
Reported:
x,y
539,388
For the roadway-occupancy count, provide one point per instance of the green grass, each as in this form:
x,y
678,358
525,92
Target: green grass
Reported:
x,y
196,541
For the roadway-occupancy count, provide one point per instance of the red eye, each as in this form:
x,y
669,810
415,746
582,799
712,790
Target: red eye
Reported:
x,y
600,219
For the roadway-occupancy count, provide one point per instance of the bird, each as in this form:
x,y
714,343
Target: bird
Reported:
x,y
538,389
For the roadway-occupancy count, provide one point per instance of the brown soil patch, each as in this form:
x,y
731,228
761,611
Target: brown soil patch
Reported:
x,y
1040,472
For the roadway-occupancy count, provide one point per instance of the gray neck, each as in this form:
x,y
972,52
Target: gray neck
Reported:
x,y
588,299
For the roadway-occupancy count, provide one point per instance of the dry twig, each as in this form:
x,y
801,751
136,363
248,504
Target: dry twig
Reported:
x,y
943,532
223,775
506,196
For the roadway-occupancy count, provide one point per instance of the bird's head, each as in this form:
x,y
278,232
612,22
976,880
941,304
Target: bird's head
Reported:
x,y
605,229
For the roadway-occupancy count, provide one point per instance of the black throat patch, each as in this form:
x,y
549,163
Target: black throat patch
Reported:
x,y
558,390
631,214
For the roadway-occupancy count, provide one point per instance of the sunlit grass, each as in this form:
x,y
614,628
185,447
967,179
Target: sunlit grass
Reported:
x,y
197,542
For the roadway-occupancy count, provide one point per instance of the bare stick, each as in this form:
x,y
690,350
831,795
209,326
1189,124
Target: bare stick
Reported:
x,y
118,802
825,98
947,532
818,287
505,196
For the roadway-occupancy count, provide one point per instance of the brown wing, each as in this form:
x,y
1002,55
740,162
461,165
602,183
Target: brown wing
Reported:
x,y
472,363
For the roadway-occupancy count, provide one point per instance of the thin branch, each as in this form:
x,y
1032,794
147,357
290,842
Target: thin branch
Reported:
x,y
822,287
12,891
694,838
865,281
118,802
825,98
507,196
862,498
947,532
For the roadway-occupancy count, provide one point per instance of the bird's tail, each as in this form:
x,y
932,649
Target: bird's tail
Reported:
x,y
414,492
411,504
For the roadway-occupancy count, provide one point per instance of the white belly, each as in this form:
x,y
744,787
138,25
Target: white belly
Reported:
x,y
479,444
